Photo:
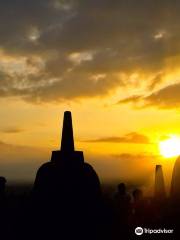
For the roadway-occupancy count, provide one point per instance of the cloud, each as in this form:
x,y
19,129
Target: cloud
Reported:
x,y
128,138
130,99
10,130
156,81
76,41
2,143
165,98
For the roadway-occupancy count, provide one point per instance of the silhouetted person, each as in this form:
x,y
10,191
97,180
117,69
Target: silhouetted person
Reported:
x,y
122,209
122,196
2,187
159,188
138,207
3,216
137,195
67,188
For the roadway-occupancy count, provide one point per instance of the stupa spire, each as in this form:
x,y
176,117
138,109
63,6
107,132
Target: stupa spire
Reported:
x,y
175,183
67,140
159,190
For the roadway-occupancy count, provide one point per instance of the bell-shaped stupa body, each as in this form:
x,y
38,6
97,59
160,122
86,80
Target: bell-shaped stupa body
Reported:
x,y
67,188
175,183
159,188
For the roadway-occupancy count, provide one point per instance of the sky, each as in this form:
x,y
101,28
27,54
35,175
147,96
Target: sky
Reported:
x,y
113,64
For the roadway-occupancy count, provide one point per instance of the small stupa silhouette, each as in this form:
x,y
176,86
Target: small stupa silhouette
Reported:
x,y
175,182
159,188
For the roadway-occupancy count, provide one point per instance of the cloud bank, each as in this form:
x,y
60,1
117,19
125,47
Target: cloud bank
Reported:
x,y
128,138
55,50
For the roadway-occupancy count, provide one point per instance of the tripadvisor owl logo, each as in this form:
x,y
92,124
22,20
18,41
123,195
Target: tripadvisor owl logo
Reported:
x,y
138,231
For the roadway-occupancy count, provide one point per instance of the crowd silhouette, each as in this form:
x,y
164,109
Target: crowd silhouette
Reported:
x,y
67,201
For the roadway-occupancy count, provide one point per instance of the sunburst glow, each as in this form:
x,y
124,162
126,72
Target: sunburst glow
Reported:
x,y
170,147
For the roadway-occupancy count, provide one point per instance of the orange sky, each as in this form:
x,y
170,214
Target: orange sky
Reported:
x,y
114,65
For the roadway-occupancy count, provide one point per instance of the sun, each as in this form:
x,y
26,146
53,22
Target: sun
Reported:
x,y
170,147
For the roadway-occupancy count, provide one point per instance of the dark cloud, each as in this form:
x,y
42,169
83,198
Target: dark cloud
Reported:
x,y
165,98
134,98
119,37
10,130
156,81
19,18
2,143
128,138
